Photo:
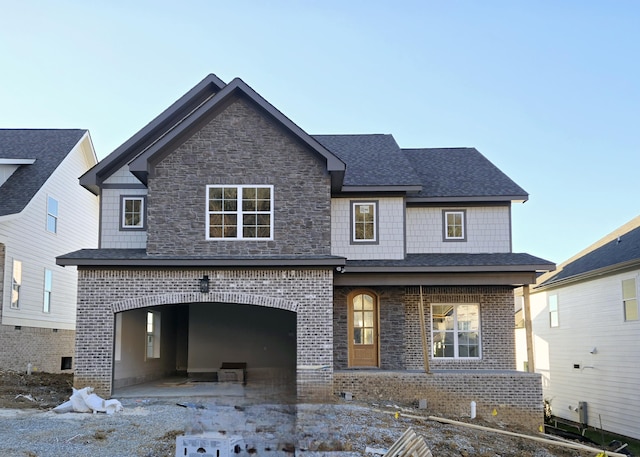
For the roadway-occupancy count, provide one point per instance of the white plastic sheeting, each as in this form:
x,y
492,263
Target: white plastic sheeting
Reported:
x,y
85,401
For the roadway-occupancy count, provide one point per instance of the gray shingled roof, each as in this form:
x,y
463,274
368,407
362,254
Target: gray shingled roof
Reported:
x,y
48,147
372,160
618,252
460,262
460,172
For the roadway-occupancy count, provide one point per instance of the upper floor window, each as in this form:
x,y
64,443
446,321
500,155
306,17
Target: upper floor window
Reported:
x,y
16,284
455,330
240,212
132,212
454,225
554,311
364,222
52,215
630,299
48,286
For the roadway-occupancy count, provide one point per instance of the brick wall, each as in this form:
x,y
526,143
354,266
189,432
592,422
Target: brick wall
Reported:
x,y
308,292
400,334
42,347
240,146
514,398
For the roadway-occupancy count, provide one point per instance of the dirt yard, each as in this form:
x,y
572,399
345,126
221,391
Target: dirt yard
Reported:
x,y
38,390
346,427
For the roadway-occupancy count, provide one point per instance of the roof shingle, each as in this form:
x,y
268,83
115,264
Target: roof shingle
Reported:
x,y
48,147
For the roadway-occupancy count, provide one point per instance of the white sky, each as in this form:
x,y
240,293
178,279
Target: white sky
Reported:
x,y
549,91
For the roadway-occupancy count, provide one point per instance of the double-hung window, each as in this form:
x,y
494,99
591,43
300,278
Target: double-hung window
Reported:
x,y
453,225
630,299
16,283
455,330
364,217
240,212
132,212
48,286
554,311
52,215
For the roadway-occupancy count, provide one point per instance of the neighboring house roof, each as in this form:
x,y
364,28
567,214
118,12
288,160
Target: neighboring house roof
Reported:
x,y
374,162
618,250
448,174
48,147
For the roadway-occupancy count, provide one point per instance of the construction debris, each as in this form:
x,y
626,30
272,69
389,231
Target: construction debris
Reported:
x,y
85,401
409,445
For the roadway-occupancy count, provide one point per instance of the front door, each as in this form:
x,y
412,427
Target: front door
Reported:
x,y
363,330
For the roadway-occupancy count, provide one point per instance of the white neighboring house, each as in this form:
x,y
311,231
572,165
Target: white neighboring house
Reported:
x,y
43,213
586,334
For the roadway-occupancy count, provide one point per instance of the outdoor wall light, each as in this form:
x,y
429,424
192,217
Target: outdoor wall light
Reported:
x,y
204,284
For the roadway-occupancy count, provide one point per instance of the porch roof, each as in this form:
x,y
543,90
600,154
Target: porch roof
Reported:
x,y
140,258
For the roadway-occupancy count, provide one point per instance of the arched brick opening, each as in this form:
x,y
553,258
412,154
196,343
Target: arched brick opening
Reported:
x,y
213,297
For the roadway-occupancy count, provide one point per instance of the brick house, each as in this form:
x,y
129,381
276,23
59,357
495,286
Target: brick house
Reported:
x,y
43,213
333,262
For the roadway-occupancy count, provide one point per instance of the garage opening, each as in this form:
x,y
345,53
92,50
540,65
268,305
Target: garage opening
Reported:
x,y
206,342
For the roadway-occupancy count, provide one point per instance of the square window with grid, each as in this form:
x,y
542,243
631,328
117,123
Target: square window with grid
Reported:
x,y
240,212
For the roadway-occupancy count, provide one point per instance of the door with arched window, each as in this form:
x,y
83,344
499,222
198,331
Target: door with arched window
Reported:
x,y
363,329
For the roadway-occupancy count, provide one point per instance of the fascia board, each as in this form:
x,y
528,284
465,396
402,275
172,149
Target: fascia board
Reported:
x,y
123,153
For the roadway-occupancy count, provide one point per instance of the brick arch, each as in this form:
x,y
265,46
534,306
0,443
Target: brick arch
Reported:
x,y
195,297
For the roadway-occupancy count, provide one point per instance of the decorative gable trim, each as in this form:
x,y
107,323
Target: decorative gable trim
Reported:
x,y
203,91
143,164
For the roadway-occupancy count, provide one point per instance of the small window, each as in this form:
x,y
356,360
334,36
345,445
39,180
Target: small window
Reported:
x,y
153,335
630,299
132,211
364,222
16,284
48,284
239,212
454,225
52,215
455,330
554,312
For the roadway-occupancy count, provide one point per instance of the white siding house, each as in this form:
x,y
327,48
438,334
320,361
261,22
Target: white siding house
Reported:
x,y
43,213
586,334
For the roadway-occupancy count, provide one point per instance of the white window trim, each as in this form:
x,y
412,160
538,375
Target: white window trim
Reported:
x,y
625,300
555,312
445,225
239,212
16,280
46,299
54,216
143,222
354,205
455,332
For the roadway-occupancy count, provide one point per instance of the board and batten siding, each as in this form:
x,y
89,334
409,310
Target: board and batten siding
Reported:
x,y
590,316
488,229
391,226
26,239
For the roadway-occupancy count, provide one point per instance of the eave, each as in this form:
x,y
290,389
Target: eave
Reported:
x,y
424,278
125,258
464,198
142,165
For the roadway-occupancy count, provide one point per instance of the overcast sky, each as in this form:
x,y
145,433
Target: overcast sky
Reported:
x,y
549,91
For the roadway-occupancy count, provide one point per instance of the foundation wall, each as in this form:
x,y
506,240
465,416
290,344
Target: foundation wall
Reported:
x,y
513,398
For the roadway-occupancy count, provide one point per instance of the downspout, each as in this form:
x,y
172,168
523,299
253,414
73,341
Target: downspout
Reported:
x,y
423,332
528,329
